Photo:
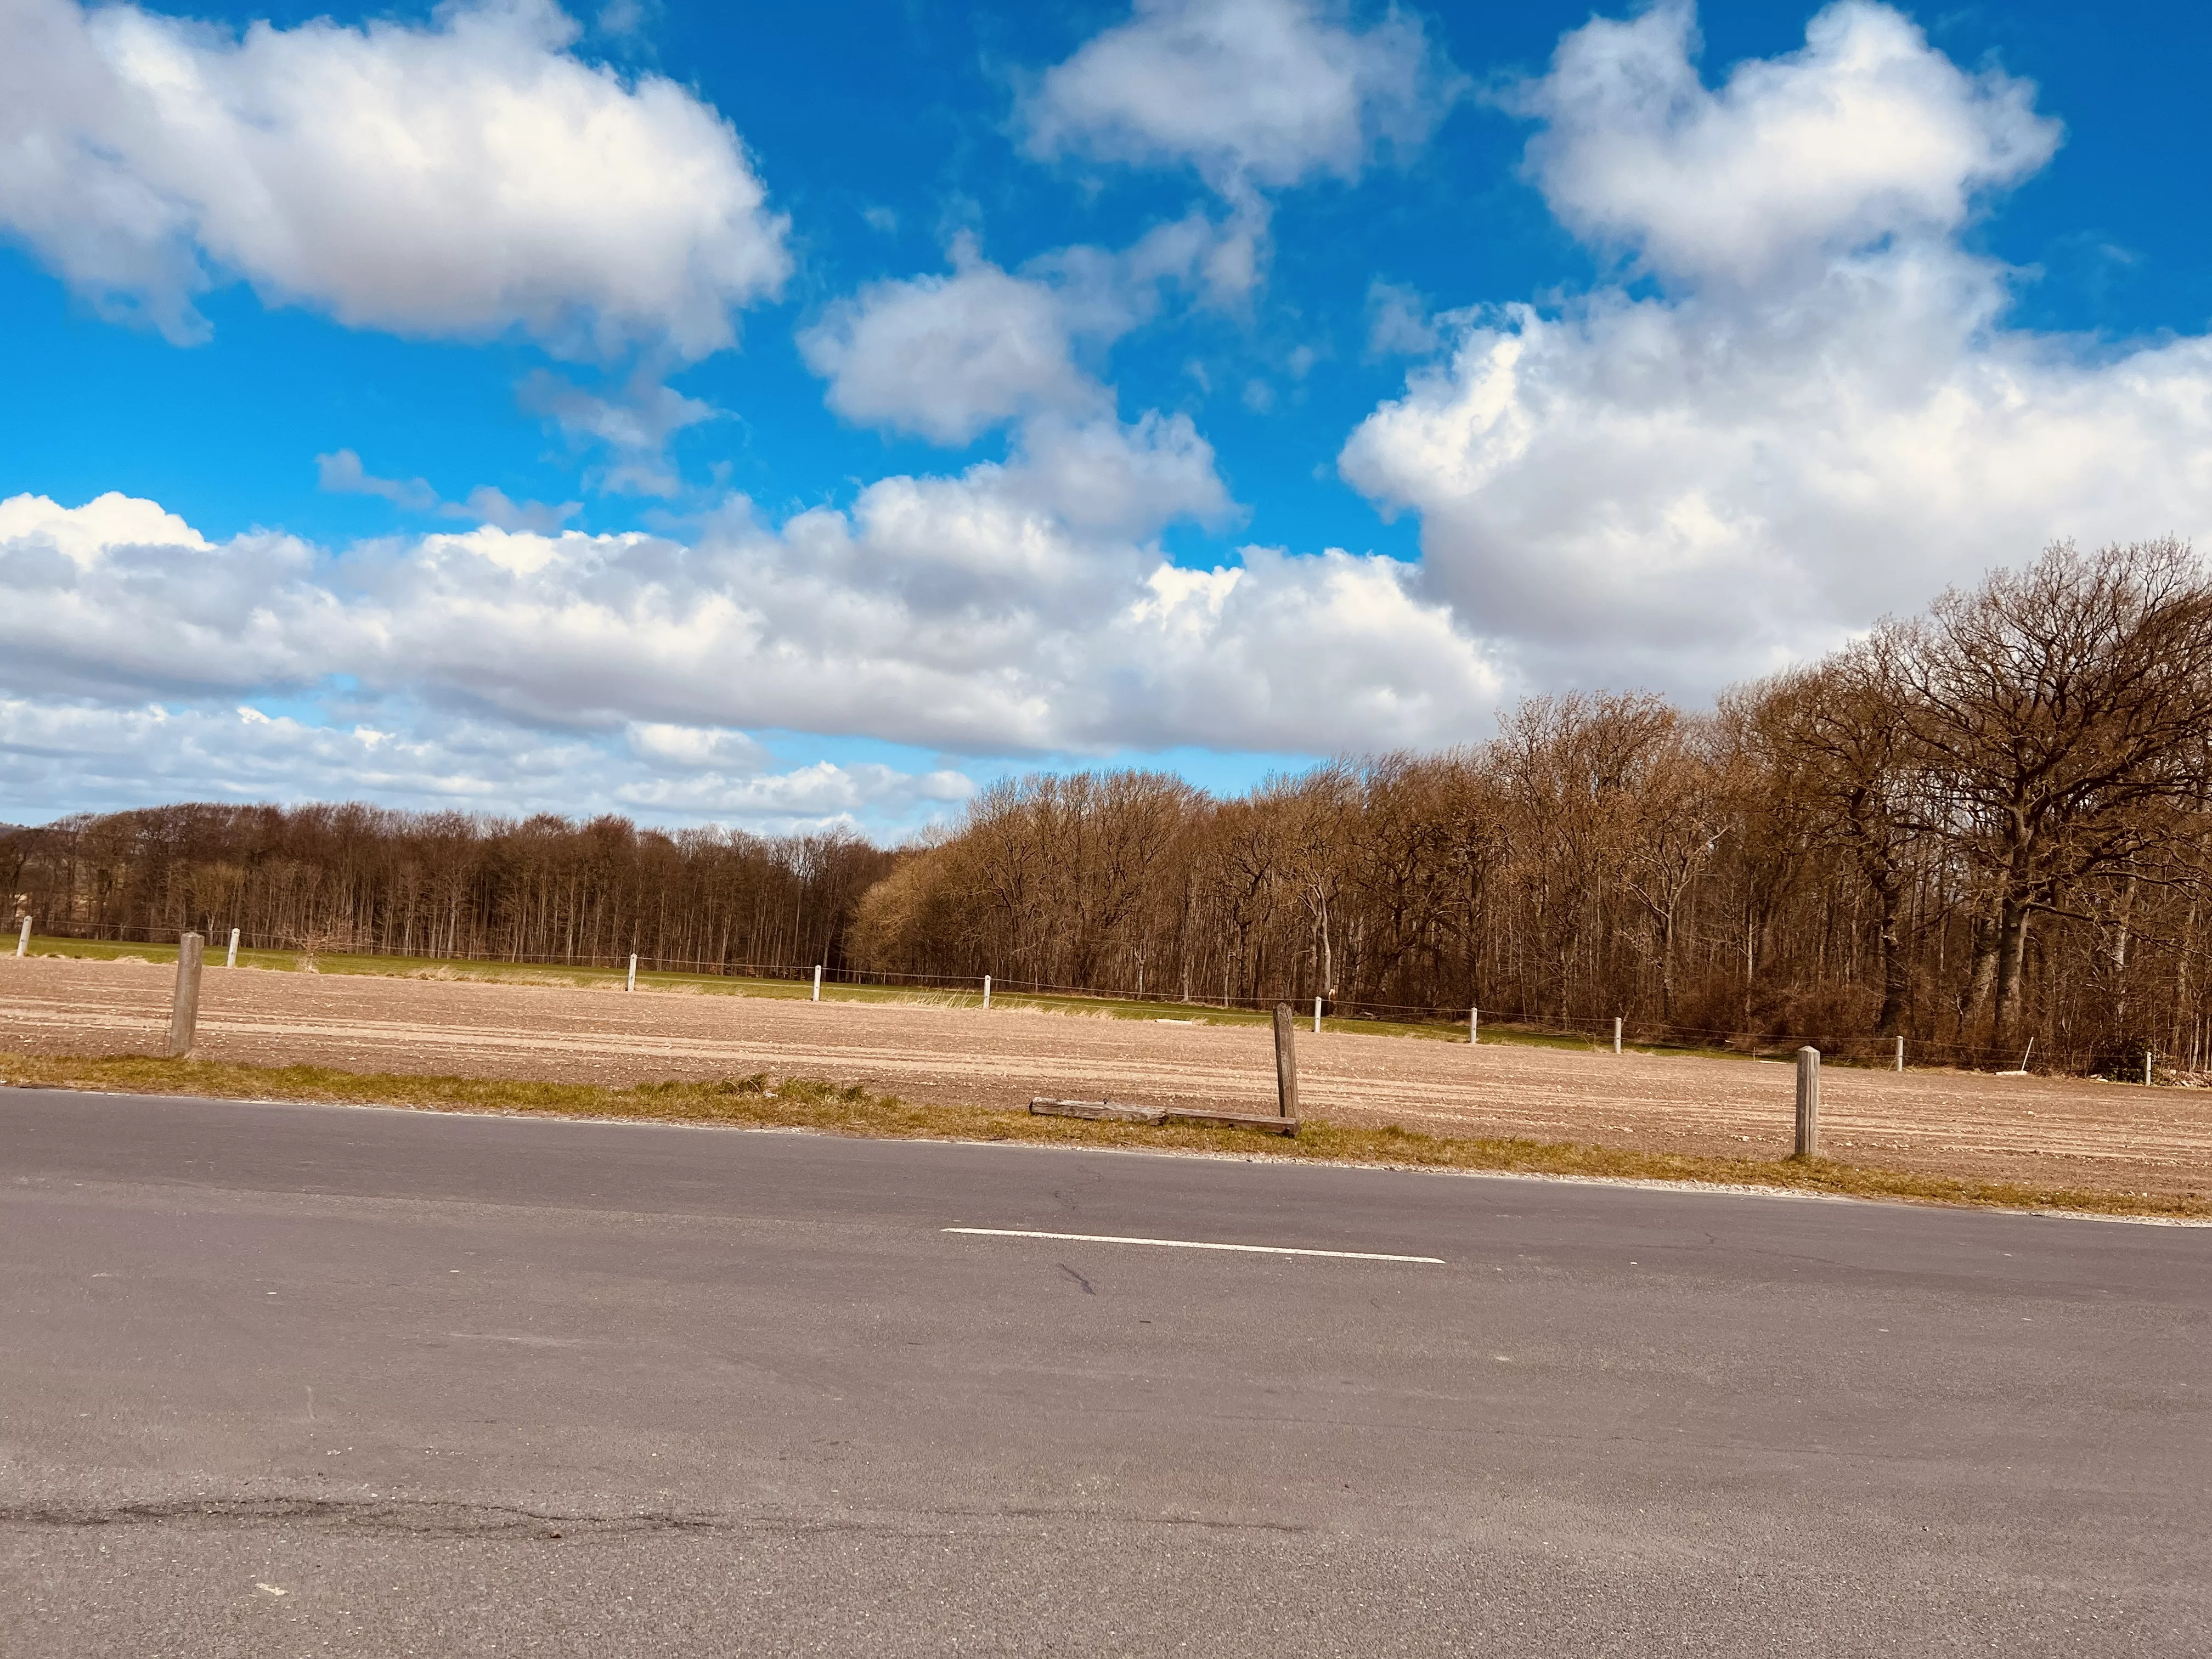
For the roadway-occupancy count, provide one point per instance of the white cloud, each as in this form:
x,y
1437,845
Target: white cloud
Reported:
x,y
635,424
1251,92
697,748
487,504
949,356
952,612
63,755
1398,323
1865,134
343,474
457,179
1823,419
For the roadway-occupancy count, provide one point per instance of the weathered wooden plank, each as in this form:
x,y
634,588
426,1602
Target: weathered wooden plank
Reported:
x,y
1106,1110
1268,1124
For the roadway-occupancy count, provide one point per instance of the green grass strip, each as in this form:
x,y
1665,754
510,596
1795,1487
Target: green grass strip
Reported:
x,y
796,1103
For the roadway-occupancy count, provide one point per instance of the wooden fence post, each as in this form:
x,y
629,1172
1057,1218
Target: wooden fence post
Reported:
x,y
230,958
1809,1102
1900,1054
185,1011
2147,1082
1473,1026
631,983
1616,1033
986,990
817,982
23,938
1317,1016
1286,1062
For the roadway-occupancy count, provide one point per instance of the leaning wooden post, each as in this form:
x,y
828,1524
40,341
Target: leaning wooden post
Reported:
x,y
184,1012
1286,1062
1616,1033
23,938
1809,1102
630,984
230,958
1473,1026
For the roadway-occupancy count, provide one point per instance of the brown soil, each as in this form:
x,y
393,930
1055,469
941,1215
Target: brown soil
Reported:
x,y
2036,1130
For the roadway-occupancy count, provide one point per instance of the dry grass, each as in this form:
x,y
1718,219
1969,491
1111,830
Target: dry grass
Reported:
x,y
760,1102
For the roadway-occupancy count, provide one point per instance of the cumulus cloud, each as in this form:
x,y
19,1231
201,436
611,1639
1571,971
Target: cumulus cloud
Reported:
x,y
948,357
460,178
956,612
1250,92
1823,416
1866,133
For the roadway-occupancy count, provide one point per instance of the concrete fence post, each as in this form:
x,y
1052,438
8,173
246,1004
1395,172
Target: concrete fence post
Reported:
x,y
1809,1102
1286,1062
230,958
1616,1033
1473,1026
986,990
817,982
630,984
185,1011
23,938
1317,1016
1900,1054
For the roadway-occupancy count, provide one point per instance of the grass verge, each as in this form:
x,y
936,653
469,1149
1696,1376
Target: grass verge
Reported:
x,y
762,1102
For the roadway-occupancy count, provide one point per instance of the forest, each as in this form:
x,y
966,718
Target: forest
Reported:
x,y
329,879
1982,829
1985,828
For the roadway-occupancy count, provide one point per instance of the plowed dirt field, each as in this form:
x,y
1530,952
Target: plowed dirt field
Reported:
x,y
2041,1130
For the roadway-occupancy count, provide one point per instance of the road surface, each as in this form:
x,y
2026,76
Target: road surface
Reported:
x,y
295,1380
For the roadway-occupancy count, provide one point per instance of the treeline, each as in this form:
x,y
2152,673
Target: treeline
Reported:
x,y
1983,828
447,886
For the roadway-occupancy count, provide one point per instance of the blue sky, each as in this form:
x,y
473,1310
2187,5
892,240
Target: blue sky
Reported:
x,y
803,415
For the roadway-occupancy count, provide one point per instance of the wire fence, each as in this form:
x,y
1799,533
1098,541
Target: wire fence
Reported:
x,y
1848,1048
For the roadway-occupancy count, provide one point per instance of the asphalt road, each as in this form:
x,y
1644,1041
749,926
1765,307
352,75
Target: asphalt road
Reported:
x,y
303,1380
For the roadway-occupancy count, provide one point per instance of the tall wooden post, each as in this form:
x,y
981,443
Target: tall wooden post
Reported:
x,y
230,958
986,990
1900,1054
630,984
1473,1026
185,1011
1809,1102
1286,1062
1616,1033
23,938
1317,1016
817,982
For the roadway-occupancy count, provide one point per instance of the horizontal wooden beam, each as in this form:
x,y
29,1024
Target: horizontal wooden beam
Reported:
x,y
1115,1112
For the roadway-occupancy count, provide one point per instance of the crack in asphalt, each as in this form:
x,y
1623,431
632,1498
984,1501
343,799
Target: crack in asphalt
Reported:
x,y
413,1516
446,1518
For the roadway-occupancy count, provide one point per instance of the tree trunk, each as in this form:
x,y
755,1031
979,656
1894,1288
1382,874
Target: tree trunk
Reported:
x,y
1889,890
2012,955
